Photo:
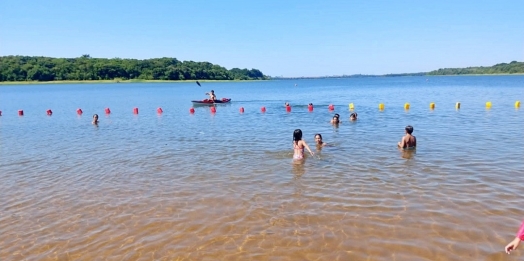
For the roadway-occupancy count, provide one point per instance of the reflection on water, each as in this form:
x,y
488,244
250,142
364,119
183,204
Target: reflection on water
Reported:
x,y
222,186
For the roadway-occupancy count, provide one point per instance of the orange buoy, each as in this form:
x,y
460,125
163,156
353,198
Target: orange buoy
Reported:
x,y
331,107
241,109
108,111
20,113
79,111
159,110
213,109
310,107
49,112
192,110
263,109
135,110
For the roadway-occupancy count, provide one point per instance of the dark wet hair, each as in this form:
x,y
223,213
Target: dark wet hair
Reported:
x,y
318,134
95,115
297,135
212,91
337,115
353,114
311,104
409,129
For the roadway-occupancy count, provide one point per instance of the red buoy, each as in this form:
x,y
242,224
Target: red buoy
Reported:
x,y
159,110
135,110
310,107
213,109
20,113
263,109
192,110
108,111
331,107
49,112
79,111
288,108
241,109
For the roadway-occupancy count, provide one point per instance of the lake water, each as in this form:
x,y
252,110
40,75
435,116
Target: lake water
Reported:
x,y
222,186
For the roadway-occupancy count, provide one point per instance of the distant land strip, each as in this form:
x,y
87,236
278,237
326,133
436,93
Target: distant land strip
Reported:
x,y
513,67
86,68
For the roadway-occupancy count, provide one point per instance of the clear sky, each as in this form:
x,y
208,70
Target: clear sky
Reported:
x,y
281,38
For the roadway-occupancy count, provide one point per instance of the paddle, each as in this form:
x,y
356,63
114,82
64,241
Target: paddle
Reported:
x,y
198,84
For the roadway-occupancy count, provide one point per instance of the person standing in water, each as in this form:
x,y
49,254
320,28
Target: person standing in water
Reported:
x,y
515,243
408,141
299,145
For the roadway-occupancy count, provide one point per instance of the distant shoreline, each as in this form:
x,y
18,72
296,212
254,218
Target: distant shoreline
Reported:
x,y
271,79
117,81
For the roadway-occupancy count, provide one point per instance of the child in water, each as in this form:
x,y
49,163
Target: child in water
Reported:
x,y
353,116
515,243
335,119
408,141
299,145
318,140
95,119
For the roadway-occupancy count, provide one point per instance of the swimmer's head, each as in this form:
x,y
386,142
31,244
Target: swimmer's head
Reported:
x,y
409,129
318,138
336,115
212,91
297,135
95,116
353,116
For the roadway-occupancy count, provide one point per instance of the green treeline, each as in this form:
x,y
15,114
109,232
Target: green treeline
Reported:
x,y
32,68
501,68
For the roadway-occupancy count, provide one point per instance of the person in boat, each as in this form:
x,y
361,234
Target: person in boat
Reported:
x,y
408,141
515,243
298,146
318,141
336,119
95,119
212,95
353,116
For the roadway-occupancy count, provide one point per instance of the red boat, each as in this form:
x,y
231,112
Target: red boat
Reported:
x,y
211,102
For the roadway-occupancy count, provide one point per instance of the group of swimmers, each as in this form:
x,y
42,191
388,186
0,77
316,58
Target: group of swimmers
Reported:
x,y
408,141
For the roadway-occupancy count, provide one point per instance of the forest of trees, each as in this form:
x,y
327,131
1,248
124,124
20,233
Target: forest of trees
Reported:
x,y
33,68
501,68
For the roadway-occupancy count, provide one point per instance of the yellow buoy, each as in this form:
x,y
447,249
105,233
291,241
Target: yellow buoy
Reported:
x,y
432,105
517,104
488,105
351,106
457,105
406,106
381,106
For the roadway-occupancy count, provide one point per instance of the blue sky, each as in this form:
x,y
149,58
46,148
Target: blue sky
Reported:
x,y
281,38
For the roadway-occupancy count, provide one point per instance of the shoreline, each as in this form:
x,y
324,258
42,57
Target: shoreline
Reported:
x,y
117,81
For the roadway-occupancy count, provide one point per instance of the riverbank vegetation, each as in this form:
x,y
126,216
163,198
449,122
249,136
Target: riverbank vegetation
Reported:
x,y
86,68
501,68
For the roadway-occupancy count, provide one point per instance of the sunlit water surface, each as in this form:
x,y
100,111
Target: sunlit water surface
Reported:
x,y
204,186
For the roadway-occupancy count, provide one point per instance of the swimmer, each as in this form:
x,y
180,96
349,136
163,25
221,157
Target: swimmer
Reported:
x,y
318,141
95,119
336,119
299,145
286,104
515,243
408,141
353,116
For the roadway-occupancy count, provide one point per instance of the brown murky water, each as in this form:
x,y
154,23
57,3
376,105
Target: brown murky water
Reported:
x,y
174,188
